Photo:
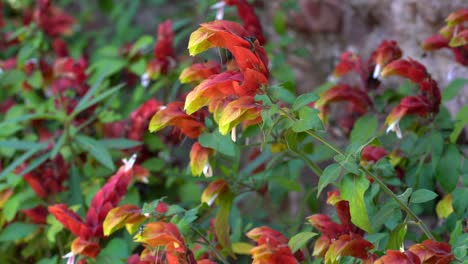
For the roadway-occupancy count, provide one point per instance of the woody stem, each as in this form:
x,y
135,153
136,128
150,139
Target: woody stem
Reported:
x,y
376,178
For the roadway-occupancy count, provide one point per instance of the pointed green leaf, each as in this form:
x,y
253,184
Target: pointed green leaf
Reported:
x,y
329,175
352,189
300,240
422,196
97,150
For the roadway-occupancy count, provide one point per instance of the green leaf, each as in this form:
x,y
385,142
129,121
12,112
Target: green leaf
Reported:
x,y
279,21
22,159
119,143
143,42
300,240
95,100
461,121
437,148
397,237
76,195
329,175
84,100
459,202
97,150
18,144
57,146
117,248
106,66
289,184
222,227
453,88
303,100
422,196
448,168
8,78
218,142
308,120
16,231
404,197
348,163
352,189
364,128
35,163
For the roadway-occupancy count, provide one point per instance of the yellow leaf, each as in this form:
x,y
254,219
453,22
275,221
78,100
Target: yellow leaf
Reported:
x,y
242,248
444,207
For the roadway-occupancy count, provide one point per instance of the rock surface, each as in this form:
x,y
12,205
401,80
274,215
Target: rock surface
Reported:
x,y
327,28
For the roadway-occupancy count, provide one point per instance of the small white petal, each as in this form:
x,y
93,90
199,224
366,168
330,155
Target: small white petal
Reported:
x,y
395,126
71,257
219,7
211,201
377,70
332,78
207,170
145,80
129,162
233,135
162,107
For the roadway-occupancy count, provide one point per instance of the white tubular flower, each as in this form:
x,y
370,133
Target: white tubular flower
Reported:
x,y
395,126
234,134
145,80
129,162
219,7
377,71
207,170
70,258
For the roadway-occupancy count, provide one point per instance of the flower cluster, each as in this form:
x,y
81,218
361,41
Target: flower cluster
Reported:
x,y
453,36
90,229
163,52
428,251
355,97
339,240
427,102
272,247
229,95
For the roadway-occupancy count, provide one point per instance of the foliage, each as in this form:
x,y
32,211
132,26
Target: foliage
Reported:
x,y
222,160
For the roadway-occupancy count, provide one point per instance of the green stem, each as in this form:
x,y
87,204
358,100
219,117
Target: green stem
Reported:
x,y
215,250
377,179
314,167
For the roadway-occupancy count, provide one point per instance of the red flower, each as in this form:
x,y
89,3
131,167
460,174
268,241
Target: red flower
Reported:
x,y
338,240
60,48
199,160
373,153
410,105
37,214
430,251
160,234
357,100
397,257
90,230
199,71
139,118
52,20
272,247
48,178
173,115
427,102
246,13
164,54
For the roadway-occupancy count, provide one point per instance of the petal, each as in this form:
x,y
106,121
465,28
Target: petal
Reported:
x,y
120,216
199,158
